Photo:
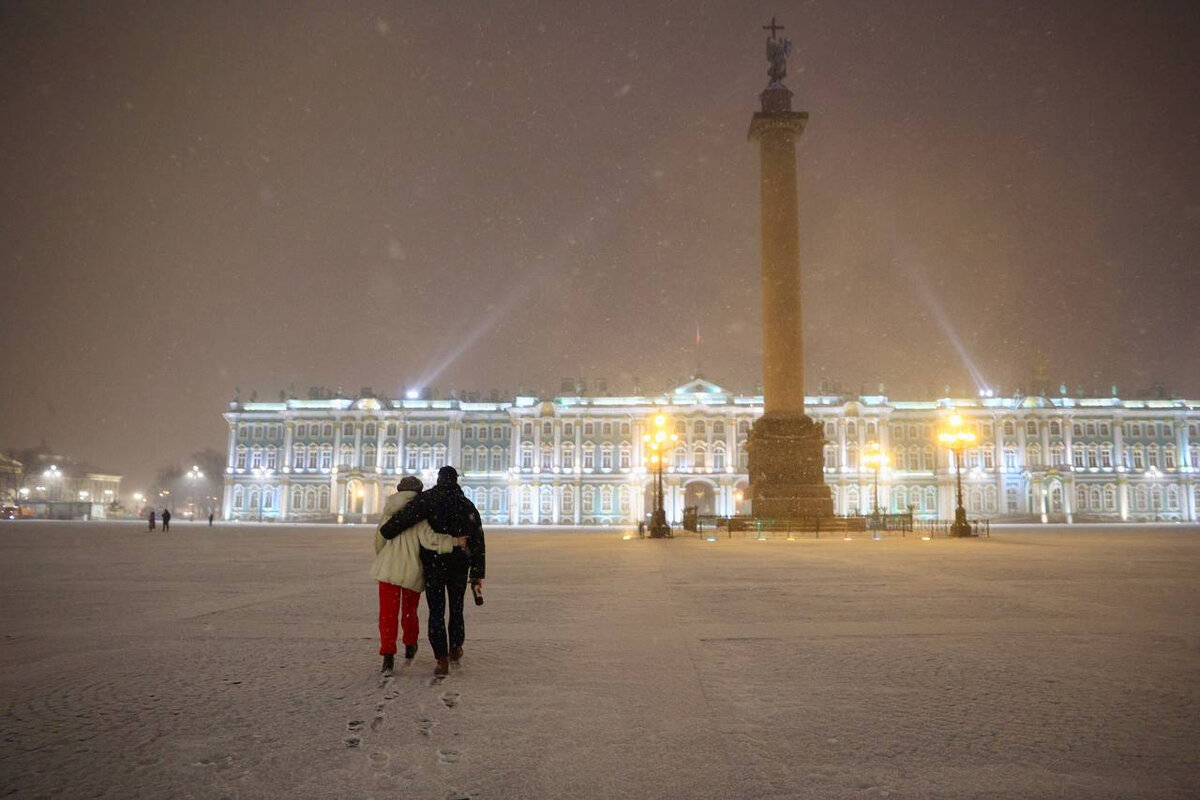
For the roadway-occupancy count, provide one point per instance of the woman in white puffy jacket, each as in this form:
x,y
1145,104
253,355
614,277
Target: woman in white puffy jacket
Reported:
x,y
401,579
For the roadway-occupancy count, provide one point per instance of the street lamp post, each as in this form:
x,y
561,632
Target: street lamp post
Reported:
x,y
955,439
657,442
876,459
194,474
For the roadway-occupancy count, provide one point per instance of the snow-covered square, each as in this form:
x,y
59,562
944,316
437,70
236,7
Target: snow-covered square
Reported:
x,y
240,662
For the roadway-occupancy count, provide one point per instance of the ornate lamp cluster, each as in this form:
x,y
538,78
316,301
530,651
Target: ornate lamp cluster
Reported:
x,y
658,443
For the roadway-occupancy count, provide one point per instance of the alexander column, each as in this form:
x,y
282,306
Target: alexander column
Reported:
x,y
786,447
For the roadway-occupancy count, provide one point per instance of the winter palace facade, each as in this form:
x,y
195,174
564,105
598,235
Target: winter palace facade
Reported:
x,y
579,460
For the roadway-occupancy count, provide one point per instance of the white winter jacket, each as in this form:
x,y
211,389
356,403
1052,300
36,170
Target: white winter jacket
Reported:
x,y
398,561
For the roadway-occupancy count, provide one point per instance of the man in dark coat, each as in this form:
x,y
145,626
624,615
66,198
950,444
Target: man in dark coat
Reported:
x,y
448,511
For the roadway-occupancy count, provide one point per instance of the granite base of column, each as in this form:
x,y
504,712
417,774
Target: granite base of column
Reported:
x,y
787,475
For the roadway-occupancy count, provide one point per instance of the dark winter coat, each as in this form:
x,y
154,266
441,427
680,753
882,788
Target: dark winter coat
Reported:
x,y
447,510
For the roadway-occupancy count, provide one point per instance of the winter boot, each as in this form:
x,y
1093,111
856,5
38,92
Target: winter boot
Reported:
x,y
455,653
443,666
410,651
389,664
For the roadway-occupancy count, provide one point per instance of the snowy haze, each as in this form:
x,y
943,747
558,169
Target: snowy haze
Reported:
x,y
196,197
240,662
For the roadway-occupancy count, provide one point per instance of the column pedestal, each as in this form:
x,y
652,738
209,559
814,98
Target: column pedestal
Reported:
x,y
787,468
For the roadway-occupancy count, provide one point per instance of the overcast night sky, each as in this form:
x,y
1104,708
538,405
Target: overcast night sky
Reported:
x,y
201,196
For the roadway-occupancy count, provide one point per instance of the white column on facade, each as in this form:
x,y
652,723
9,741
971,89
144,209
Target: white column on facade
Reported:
x,y
356,456
227,499
454,449
401,433
515,444
231,461
1123,496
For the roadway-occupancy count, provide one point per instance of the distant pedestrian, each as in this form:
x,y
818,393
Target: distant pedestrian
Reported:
x,y
166,520
153,519
210,519
401,576
448,511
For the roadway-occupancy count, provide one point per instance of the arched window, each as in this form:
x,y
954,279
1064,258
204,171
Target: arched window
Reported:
x,y
718,457
439,455
606,457
699,428
680,457
239,497
481,501
831,456
623,499
468,460
369,455
568,500
718,428
347,456
389,457
297,456
370,431
497,460
527,456
606,504
568,455
589,500
625,456
323,499
546,463
498,500
546,502
297,501
900,499
700,457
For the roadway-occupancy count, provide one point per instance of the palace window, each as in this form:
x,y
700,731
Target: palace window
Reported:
x,y
527,456
1169,456
568,456
718,428
606,500
298,456
680,457
1055,428
368,456
606,429
1010,429
624,428
327,430
1139,458
699,428
606,458
625,457
700,457
255,457
301,431
370,431
589,429
1010,459
547,461
1078,456
389,457
589,456
1031,428
346,456
497,459
1106,456
547,430
568,500
989,458
272,460
347,429
569,429
1093,457
498,434
326,456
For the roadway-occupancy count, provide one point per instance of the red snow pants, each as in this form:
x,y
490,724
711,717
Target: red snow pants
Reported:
x,y
396,602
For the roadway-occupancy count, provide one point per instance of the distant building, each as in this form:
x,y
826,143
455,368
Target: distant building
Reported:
x,y
577,460
52,485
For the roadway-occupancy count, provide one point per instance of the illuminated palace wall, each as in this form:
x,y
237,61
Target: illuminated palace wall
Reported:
x,y
579,460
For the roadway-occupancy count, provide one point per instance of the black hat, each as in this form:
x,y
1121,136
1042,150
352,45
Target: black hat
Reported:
x,y
447,475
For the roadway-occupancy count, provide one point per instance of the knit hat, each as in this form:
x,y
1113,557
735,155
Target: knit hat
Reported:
x,y
410,483
447,476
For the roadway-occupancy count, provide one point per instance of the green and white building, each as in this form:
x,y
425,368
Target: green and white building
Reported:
x,y
578,460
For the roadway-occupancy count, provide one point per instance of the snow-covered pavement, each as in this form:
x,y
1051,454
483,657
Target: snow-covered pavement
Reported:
x,y
240,662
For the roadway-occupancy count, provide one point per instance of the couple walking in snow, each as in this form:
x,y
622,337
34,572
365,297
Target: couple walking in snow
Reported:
x,y
429,541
